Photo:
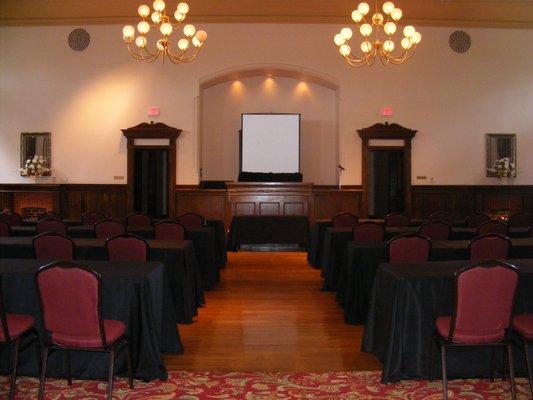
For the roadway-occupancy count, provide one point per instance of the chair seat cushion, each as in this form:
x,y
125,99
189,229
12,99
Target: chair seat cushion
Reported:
x,y
470,337
113,331
17,324
523,324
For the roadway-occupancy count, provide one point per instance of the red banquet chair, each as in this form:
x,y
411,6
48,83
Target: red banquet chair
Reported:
x,y
368,232
491,246
443,216
169,230
482,314
108,227
91,218
191,221
13,219
397,220
138,220
14,330
51,225
53,246
523,325
408,248
493,227
127,247
519,220
344,220
48,214
474,220
435,230
71,308
5,229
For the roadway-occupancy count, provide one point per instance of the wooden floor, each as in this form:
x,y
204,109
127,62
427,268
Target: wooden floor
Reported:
x,y
268,314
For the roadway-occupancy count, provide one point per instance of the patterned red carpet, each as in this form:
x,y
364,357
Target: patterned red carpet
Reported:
x,y
266,386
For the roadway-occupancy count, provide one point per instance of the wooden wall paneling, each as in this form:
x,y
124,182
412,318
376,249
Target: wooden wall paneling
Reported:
x,y
329,202
6,200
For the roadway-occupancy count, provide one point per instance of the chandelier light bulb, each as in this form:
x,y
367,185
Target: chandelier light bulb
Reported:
x,y
366,30
366,46
345,50
128,31
183,8
416,38
388,46
183,44
141,42
339,39
189,30
406,43
156,17
390,28
179,16
161,44
388,7
356,16
166,29
409,31
201,36
143,11
363,8
196,42
396,14
143,27
377,19
346,33
159,5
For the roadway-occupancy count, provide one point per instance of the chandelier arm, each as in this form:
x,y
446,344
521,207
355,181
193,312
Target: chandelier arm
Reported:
x,y
140,56
182,57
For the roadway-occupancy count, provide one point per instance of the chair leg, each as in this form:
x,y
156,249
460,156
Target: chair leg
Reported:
x,y
529,367
43,373
444,377
67,367
511,371
15,351
111,373
431,345
128,361
38,354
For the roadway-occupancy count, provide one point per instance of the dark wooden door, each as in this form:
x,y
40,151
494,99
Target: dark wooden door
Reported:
x,y
151,168
387,183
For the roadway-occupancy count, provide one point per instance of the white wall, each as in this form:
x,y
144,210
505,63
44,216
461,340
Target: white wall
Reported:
x,y
85,98
223,104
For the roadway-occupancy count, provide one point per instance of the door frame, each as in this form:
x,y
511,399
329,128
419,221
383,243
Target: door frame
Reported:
x,y
381,132
152,130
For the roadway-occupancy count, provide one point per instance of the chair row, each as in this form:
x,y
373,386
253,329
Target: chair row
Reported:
x,y
69,297
517,220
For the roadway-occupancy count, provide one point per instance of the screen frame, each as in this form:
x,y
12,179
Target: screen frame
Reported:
x,y
299,137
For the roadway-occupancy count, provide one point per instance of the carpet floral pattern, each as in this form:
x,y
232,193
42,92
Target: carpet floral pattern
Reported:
x,y
268,386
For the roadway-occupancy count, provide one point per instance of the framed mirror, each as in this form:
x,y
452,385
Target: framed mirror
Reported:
x,y
34,145
501,155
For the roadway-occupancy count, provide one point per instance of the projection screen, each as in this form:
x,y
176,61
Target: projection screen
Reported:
x,y
270,143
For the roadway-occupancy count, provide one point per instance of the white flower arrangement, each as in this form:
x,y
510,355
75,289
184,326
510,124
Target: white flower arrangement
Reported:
x,y
36,166
503,168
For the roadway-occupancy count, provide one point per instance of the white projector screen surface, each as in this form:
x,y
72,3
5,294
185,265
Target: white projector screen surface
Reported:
x,y
270,143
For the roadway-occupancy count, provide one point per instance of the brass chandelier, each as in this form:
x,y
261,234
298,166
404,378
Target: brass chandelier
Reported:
x,y
163,23
377,35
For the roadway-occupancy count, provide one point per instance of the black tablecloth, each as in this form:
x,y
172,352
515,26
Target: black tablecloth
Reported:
x,y
181,268
406,301
134,293
361,261
268,230
316,239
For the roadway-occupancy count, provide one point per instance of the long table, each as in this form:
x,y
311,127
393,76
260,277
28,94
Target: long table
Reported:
x,y
180,266
406,301
361,261
135,293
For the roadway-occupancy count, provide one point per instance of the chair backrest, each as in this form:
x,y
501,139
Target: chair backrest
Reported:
x,y
490,246
51,225
484,301
91,218
48,214
474,220
138,220
344,220
127,247
5,229
493,227
4,330
519,220
191,221
108,227
397,220
408,248
11,218
444,216
368,232
69,296
53,246
169,230
435,230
